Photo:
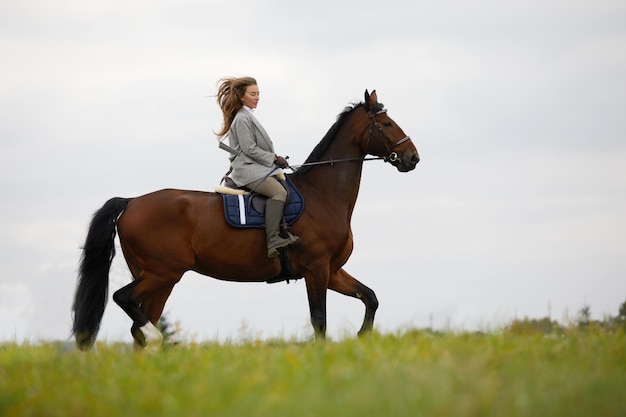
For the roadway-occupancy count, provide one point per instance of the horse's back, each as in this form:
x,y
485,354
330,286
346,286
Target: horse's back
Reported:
x,y
169,206
162,225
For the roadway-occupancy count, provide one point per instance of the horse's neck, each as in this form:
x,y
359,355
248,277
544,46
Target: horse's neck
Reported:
x,y
340,181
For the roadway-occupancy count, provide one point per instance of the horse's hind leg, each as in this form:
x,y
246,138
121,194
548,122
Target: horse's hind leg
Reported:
x,y
152,308
143,330
143,301
346,284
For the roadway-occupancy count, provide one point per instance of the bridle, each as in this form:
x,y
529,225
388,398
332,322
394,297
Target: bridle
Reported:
x,y
392,156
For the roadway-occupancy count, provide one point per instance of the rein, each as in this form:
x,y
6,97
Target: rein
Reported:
x,y
391,157
337,161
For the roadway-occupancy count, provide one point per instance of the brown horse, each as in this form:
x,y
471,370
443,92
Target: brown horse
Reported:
x,y
166,233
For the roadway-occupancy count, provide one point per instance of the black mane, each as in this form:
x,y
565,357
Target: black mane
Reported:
x,y
321,147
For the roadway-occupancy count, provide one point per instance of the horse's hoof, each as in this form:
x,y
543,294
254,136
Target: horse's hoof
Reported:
x,y
152,336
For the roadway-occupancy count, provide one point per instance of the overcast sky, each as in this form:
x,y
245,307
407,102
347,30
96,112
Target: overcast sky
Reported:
x,y
518,207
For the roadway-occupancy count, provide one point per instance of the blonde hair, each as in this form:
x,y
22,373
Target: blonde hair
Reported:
x,y
230,92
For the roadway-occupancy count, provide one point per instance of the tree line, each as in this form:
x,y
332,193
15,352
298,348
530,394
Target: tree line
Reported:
x,y
582,321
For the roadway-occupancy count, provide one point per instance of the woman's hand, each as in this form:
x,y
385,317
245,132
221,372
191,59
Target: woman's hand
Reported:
x,y
281,162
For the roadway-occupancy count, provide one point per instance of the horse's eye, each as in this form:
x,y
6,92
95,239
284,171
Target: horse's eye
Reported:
x,y
387,124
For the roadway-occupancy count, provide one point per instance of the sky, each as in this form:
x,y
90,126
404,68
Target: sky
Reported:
x,y
517,208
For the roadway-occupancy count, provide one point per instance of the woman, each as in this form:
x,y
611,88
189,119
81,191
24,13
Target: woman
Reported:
x,y
253,162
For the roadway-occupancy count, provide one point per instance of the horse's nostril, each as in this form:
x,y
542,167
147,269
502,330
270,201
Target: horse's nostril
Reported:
x,y
415,159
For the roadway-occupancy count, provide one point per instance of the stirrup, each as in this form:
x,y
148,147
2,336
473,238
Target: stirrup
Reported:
x,y
293,239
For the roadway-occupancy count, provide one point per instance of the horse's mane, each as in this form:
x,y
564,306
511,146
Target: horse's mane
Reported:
x,y
321,147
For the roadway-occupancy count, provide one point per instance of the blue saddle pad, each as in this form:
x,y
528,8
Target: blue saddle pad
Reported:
x,y
240,212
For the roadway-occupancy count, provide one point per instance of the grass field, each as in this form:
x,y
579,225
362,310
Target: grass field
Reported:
x,y
414,373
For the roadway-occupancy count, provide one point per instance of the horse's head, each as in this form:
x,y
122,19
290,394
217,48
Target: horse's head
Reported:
x,y
385,138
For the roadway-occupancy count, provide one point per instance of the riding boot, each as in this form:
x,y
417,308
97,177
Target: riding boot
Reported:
x,y
273,218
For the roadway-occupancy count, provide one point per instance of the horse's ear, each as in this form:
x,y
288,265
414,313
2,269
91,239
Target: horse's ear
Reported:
x,y
371,100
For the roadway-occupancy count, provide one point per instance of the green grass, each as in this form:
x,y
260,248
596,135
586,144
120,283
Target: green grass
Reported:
x,y
581,373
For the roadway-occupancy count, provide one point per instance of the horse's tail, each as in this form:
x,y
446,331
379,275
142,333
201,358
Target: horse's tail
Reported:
x,y
93,275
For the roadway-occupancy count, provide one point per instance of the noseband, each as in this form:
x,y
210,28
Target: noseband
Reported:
x,y
392,156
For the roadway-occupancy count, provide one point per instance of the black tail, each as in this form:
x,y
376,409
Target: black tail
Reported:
x,y
93,276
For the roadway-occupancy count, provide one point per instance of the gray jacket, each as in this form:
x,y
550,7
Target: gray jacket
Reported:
x,y
255,158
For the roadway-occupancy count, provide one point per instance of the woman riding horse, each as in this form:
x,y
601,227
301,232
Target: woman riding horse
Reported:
x,y
169,232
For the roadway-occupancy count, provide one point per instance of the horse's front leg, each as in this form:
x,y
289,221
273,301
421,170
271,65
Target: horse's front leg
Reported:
x,y
316,287
346,284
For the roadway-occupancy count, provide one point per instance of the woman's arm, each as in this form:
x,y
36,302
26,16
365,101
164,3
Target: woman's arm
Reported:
x,y
245,132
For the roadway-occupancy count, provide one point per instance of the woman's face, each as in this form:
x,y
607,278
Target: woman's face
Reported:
x,y
251,96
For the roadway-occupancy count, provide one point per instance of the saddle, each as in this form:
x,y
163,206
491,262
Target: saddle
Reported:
x,y
244,209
